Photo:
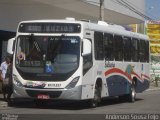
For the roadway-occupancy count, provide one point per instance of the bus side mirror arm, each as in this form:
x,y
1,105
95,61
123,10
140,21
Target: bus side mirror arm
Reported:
x,y
86,49
10,46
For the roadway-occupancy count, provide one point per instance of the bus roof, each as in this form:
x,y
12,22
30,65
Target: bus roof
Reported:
x,y
100,26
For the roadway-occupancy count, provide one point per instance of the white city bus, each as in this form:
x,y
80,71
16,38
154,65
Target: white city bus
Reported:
x,y
78,60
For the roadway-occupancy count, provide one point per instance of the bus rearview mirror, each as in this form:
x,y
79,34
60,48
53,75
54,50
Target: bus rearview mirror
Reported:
x,y
10,46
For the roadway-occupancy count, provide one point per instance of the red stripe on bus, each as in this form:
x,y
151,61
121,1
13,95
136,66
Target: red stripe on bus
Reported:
x,y
116,70
146,76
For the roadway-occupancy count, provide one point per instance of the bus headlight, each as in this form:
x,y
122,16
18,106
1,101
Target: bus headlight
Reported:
x,y
73,83
16,81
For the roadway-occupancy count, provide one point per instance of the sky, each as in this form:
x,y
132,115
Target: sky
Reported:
x,y
153,9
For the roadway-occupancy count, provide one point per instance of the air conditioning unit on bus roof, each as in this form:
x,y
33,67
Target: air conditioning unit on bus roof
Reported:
x,y
113,25
70,18
85,20
118,27
102,23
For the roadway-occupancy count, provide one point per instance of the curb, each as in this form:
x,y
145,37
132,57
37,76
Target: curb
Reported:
x,y
3,104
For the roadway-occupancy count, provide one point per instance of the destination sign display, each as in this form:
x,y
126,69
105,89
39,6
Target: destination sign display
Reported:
x,y
50,28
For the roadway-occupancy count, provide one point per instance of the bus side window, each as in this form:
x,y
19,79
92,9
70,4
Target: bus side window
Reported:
x,y
142,51
127,48
98,45
135,50
147,51
118,48
109,46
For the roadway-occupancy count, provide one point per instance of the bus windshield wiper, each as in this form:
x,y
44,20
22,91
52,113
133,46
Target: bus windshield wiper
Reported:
x,y
36,44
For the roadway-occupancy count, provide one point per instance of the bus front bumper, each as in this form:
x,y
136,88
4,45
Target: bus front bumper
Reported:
x,y
32,93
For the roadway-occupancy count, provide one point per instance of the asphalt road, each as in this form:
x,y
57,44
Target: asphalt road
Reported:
x,y
146,103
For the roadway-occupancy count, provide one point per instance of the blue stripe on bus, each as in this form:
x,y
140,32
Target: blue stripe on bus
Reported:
x,y
119,85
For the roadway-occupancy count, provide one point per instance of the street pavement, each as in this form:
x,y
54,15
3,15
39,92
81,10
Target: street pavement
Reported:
x,y
147,102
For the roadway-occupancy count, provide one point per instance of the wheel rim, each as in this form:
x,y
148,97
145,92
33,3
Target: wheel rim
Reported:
x,y
133,94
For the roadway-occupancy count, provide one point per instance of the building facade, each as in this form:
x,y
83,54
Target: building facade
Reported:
x,y
115,11
153,31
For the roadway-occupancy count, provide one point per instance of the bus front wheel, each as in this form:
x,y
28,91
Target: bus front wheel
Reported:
x,y
97,97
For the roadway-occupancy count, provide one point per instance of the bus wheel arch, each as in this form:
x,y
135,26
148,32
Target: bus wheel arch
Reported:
x,y
134,81
99,82
97,93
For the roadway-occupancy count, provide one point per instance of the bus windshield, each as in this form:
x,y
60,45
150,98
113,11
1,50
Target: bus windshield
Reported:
x,y
47,55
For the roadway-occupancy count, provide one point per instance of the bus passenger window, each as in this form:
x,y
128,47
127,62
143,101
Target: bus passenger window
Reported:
x,y
127,48
118,48
142,51
135,50
98,44
109,46
147,51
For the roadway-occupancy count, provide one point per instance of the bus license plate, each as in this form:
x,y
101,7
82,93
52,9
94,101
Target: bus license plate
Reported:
x,y
43,96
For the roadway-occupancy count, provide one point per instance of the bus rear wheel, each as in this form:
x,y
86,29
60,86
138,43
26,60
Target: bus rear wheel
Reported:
x,y
97,97
132,94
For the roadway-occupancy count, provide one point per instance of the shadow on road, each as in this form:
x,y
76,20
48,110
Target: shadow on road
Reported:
x,y
115,101
65,105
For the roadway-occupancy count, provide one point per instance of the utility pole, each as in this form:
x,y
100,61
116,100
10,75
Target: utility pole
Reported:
x,y
101,10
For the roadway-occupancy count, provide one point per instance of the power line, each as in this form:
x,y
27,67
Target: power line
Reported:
x,y
131,8
141,10
136,11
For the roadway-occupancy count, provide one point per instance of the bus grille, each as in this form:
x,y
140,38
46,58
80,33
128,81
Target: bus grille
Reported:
x,y
52,94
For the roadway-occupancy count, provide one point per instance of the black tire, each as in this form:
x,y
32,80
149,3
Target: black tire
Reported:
x,y
122,98
132,94
97,97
